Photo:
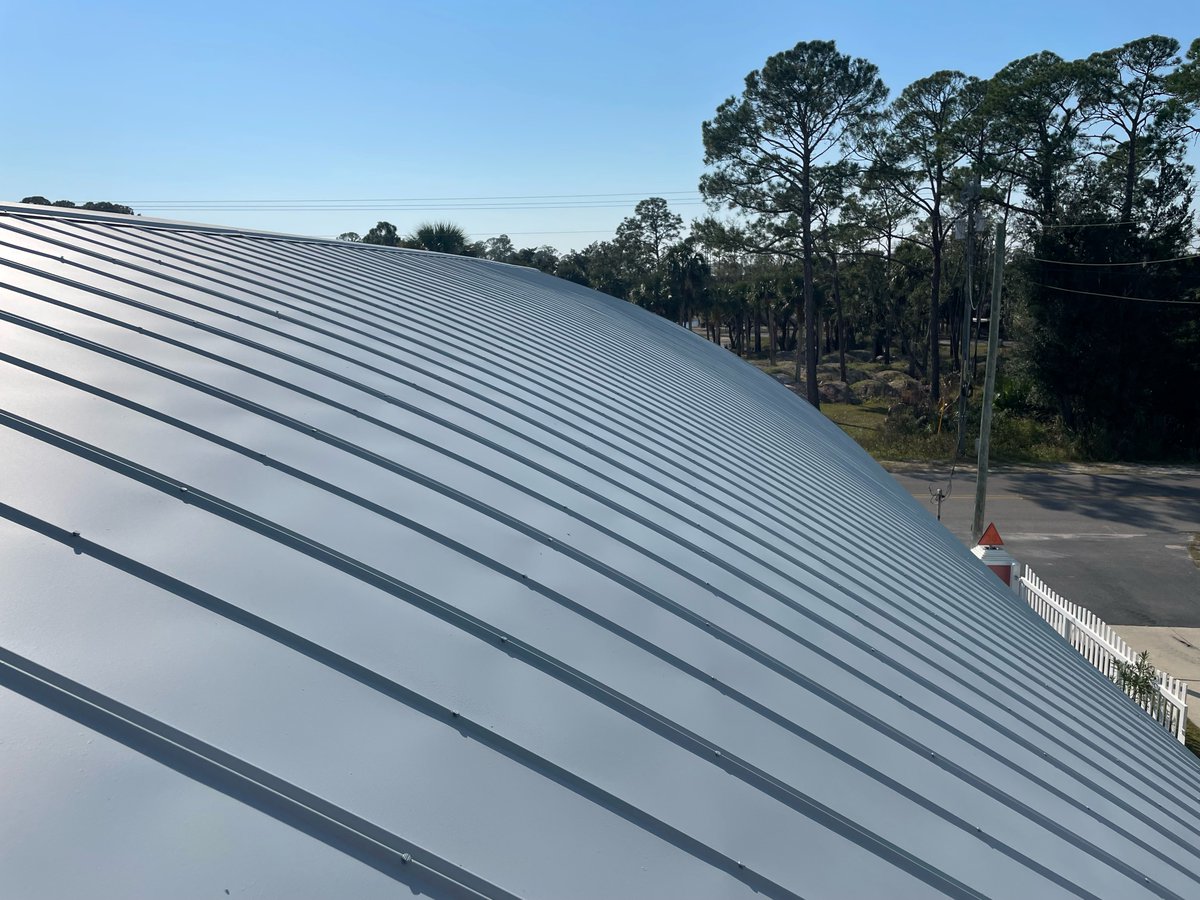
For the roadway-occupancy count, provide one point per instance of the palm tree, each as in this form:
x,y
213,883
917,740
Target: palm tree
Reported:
x,y
441,237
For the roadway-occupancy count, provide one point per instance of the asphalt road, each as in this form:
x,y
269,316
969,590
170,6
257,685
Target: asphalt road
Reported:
x,y
1112,539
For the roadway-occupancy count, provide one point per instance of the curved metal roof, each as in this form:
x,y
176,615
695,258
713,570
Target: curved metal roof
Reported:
x,y
325,567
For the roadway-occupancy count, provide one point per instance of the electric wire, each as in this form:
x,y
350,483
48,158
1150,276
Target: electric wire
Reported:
x,y
1121,296
1144,262
1089,225
402,208
434,199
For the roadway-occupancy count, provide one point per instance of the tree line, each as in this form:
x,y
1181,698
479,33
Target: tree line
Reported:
x,y
844,217
840,218
96,205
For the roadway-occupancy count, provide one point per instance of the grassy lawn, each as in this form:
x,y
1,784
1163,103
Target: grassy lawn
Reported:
x,y
855,419
1191,737
900,428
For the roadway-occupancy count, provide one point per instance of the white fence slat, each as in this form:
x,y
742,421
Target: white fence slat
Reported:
x,y
1101,646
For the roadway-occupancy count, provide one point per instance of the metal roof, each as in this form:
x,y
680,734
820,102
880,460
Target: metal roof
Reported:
x,y
325,567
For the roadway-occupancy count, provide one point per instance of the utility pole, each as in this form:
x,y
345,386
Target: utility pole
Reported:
x,y
989,382
971,195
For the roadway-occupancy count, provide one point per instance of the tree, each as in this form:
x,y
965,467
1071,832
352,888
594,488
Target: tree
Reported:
x,y
915,154
573,267
384,233
1138,679
1119,372
651,228
1034,104
877,215
686,273
643,239
544,258
1184,82
499,249
1126,91
832,236
106,206
604,263
439,237
350,237
768,147
95,205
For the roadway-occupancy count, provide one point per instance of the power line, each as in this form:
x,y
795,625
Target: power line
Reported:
x,y
1121,296
475,234
1089,225
510,233
463,207
432,199
1145,262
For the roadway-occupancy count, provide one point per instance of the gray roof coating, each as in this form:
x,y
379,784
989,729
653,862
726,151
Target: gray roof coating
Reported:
x,y
328,567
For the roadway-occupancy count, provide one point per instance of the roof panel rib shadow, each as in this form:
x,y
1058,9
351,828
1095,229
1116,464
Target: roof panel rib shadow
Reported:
x,y
327,568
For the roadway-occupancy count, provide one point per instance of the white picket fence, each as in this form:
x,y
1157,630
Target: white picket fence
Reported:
x,y
1104,648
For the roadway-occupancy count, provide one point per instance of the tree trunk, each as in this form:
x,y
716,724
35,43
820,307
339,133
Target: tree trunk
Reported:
x,y
1130,179
935,358
841,321
953,329
810,298
771,332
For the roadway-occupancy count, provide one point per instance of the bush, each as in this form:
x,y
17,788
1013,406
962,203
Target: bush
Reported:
x,y
909,433
1138,679
1017,438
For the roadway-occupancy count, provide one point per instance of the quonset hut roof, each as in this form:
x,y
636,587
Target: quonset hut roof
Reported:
x,y
325,567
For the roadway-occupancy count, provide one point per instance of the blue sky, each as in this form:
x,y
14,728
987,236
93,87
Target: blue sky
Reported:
x,y
214,101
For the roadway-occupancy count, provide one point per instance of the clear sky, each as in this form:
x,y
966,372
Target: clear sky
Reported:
x,y
179,109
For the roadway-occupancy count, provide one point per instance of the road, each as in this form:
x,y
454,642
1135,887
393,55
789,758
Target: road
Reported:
x,y
1113,539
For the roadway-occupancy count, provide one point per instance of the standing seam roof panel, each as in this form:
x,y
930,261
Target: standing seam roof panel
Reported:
x,y
489,584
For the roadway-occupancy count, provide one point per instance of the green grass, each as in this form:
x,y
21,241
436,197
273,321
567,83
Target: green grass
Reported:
x,y
1191,737
911,434
855,419
1025,439
783,368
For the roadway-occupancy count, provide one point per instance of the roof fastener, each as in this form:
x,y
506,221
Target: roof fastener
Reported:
x,y
405,858
74,534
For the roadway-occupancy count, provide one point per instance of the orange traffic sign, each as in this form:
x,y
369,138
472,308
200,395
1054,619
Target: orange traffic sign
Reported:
x,y
990,537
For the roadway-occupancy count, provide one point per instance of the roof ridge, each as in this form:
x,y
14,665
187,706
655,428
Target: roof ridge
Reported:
x,y
90,215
